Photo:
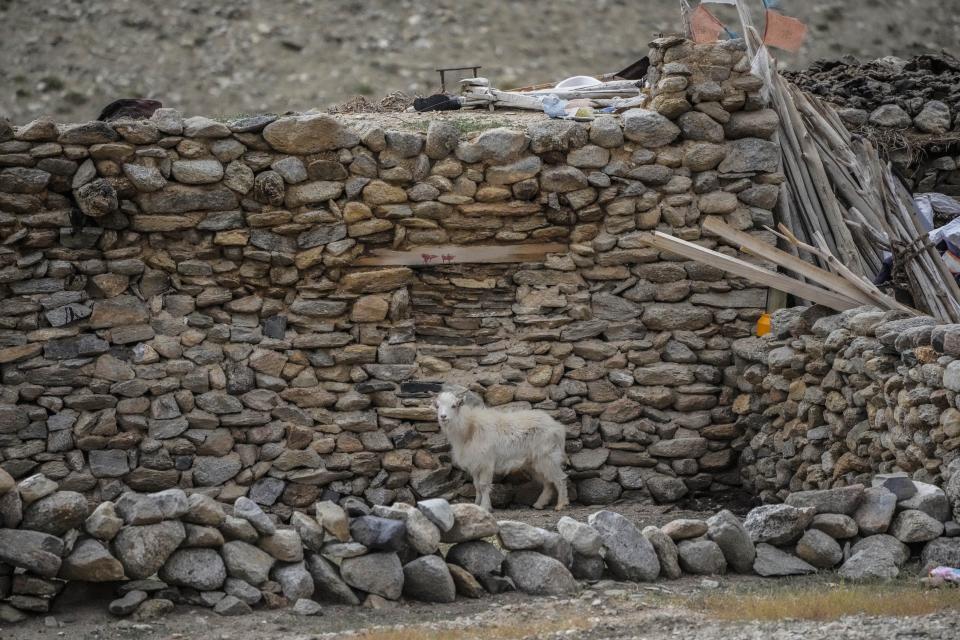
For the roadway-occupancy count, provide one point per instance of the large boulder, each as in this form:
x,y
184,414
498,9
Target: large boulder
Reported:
x,y
952,489
701,557
200,569
246,562
520,536
843,500
439,512
6,482
294,579
666,550
935,118
930,499
684,529
538,574
379,533
103,523
144,549
284,545
328,585
884,545
649,128
90,561
875,512
835,525
582,537
310,532
942,552
56,514
422,534
34,551
428,579
251,512
204,510
869,565
915,526
777,523
308,134
149,508
773,562
478,557
333,519
470,523
377,573
728,532
630,556
819,549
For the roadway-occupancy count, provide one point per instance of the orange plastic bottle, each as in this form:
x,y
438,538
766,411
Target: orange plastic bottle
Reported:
x,y
763,324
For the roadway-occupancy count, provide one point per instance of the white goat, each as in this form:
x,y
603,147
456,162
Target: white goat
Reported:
x,y
487,441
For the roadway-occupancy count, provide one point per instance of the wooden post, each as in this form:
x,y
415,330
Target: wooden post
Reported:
x,y
685,12
746,26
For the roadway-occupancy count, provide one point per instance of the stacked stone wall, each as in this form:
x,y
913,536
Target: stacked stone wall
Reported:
x,y
831,400
182,304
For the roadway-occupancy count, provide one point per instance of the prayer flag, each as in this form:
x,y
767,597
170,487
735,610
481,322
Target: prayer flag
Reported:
x,y
784,32
704,26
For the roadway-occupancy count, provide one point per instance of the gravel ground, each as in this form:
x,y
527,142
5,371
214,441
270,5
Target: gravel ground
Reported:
x,y
606,610
220,57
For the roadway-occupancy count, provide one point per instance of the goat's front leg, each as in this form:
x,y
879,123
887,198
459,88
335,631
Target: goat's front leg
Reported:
x,y
483,482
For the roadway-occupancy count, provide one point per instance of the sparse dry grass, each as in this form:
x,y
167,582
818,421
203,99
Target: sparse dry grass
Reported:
x,y
830,602
519,630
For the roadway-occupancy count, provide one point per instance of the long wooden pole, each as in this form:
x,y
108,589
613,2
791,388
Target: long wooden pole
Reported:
x,y
749,271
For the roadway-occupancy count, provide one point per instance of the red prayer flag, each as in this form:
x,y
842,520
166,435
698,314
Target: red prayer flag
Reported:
x,y
784,32
704,26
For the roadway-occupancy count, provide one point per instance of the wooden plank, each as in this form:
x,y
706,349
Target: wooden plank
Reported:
x,y
432,255
748,243
751,272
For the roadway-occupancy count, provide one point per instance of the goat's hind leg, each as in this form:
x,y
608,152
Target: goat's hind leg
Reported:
x,y
546,494
559,480
553,479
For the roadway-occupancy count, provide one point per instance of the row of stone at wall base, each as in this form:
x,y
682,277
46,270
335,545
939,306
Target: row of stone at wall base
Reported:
x,y
170,548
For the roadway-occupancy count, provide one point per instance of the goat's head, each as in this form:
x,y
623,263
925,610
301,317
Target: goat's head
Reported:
x,y
447,405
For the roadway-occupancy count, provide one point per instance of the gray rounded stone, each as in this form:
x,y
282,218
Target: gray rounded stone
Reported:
x,y
538,574
428,579
200,569
630,556
377,573
819,549
701,557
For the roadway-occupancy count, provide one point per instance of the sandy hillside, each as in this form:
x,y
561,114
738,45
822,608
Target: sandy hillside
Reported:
x,y
71,57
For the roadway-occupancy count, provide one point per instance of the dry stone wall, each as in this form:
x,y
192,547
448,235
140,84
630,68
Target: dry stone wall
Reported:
x,y
167,548
182,308
831,400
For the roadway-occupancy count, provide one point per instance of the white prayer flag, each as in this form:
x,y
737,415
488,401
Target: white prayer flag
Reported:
x,y
718,1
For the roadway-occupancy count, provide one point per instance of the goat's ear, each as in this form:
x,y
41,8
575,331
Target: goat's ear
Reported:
x,y
459,401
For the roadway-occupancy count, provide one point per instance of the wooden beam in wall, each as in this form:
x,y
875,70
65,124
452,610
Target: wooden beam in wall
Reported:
x,y
433,255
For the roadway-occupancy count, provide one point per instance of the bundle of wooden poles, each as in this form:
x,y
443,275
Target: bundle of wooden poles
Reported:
x,y
841,212
841,197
